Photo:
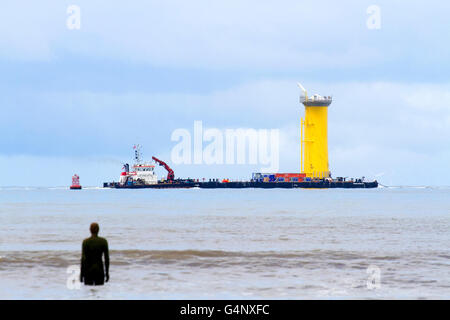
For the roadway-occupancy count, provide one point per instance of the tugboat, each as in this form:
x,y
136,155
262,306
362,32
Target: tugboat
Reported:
x,y
75,183
143,173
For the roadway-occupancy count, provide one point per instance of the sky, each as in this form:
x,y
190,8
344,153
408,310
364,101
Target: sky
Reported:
x,y
77,100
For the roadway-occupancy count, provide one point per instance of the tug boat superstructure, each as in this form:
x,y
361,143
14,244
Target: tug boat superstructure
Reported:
x,y
143,172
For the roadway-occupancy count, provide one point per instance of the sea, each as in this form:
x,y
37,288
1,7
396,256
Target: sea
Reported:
x,y
383,243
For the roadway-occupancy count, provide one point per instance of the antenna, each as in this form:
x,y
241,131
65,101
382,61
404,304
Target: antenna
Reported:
x,y
303,89
137,153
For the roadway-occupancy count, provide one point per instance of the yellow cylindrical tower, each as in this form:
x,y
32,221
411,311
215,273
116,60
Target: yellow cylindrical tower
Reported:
x,y
314,136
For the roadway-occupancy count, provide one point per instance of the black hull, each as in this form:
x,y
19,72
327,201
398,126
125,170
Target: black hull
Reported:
x,y
249,184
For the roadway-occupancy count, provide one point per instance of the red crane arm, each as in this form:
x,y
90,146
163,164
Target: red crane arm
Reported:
x,y
170,173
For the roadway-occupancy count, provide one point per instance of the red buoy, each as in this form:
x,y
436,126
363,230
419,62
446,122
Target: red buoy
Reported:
x,y
75,183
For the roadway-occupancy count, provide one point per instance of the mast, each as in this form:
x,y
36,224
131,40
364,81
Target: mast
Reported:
x,y
137,153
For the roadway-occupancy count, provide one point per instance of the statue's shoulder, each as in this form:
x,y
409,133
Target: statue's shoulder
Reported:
x,y
85,241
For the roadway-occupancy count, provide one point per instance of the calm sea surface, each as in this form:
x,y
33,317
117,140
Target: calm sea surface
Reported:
x,y
226,244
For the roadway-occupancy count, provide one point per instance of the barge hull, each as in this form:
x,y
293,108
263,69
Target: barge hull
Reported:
x,y
248,184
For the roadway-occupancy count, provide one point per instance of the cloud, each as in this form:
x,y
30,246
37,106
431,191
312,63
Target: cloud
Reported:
x,y
44,171
256,35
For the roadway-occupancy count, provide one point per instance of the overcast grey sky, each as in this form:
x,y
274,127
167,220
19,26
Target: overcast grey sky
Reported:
x,y
77,100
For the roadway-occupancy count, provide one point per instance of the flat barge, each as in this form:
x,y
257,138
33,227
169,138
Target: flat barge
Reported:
x,y
314,184
143,177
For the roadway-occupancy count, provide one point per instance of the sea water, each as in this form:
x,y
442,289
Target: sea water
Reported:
x,y
229,243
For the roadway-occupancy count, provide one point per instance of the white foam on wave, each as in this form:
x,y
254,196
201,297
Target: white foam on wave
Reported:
x,y
19,188
94,188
